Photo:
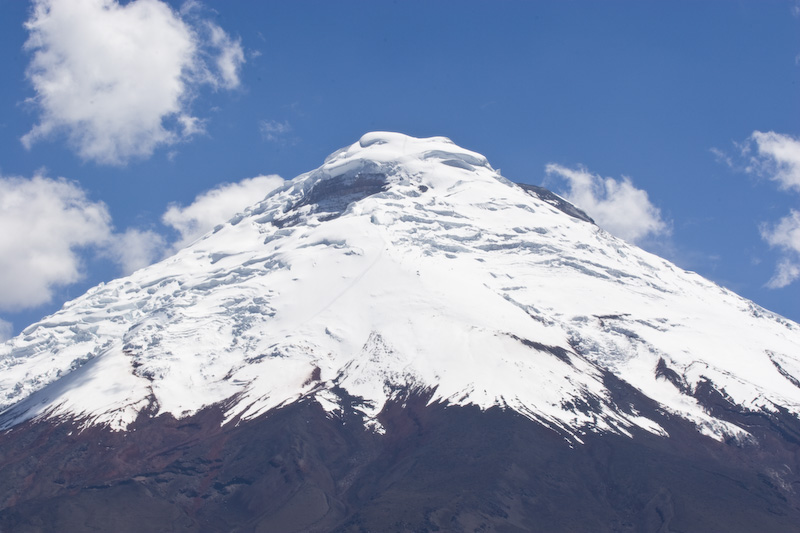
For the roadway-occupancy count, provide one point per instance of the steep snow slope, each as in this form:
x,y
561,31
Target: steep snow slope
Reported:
x,y
404,264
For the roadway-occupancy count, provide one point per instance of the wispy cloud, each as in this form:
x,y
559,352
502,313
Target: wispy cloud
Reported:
x,y
118,79
616,205
785,235
230,56
722,157
274,131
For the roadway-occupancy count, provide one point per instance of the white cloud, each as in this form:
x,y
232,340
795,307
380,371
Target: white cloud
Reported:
x,y
49,225
774,156
45,222
722,157
616,206
230,56
118,79
217,206
6,330
272,130
786,273
135,249
786,236
777,157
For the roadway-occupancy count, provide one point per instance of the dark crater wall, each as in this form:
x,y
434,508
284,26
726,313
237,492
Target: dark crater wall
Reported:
x,y
556,201
437,468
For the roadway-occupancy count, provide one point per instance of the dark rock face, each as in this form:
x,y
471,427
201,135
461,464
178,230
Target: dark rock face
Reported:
x,y
332,196
556,201
437,468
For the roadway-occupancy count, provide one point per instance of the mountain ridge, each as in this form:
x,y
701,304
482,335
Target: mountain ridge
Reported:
x,y
398,264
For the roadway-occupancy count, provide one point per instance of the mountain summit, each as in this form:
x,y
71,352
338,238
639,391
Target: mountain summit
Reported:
x,y
406,279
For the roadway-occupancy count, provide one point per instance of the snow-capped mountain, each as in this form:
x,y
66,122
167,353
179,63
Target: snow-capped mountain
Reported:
x,y
405,263
404,340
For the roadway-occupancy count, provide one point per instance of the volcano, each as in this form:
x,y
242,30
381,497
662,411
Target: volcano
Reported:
x,y
404,340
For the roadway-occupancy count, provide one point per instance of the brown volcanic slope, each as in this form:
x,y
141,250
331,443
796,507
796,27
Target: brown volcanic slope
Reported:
x,y
437,468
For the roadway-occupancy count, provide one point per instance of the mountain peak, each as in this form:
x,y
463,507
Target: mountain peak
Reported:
x,y
386,147
379,161
400,265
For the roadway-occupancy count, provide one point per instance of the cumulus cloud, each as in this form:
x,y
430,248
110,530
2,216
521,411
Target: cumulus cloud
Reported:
x,y
45,223
775,156
118,79
616,206
135,249
216,206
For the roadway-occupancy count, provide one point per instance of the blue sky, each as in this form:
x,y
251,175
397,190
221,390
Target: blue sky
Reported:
x,y
128,128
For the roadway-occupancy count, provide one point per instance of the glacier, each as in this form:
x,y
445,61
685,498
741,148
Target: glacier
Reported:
x,y
405,264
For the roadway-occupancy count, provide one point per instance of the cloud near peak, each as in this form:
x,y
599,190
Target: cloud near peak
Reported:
x,y
118,80
216,206
617,206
